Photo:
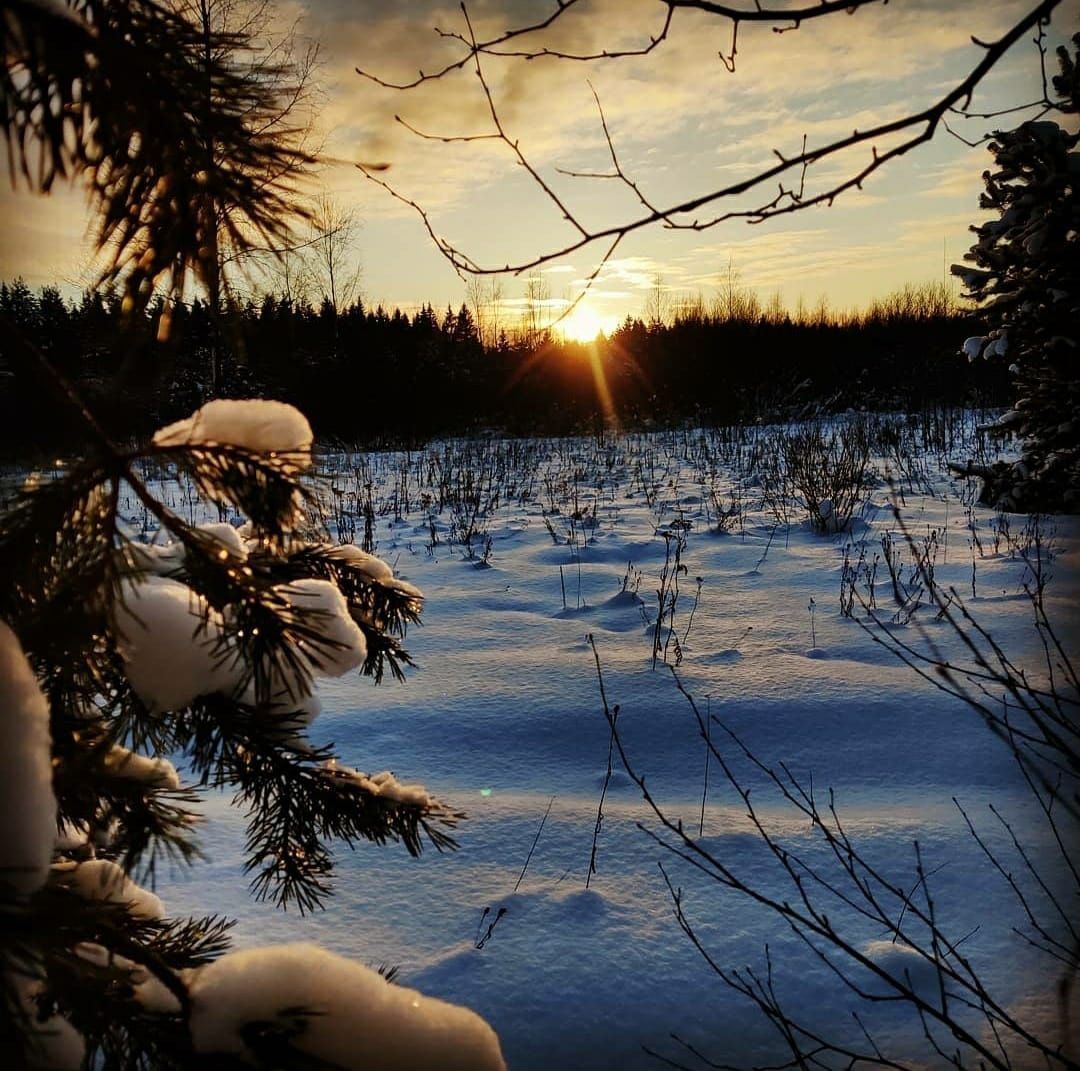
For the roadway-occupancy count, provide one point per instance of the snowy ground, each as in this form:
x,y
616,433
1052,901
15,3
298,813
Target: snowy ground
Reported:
x,y
503,715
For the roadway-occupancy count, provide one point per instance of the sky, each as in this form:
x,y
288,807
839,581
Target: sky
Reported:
x,y
681,124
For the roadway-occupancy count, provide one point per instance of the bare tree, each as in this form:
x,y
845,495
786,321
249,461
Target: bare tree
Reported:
x,y
785,187
536,312
291,275
734,301
475,297
495,294
334,233
485,298
657,302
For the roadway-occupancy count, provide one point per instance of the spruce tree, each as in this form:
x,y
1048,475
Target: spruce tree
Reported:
x,y
1026,277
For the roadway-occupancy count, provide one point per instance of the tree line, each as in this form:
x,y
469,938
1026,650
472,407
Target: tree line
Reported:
x,y
366,375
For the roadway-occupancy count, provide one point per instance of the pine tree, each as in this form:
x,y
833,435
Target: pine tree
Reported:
x,y
1026,275
203,645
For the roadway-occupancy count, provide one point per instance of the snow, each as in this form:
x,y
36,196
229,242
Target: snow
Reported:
x,y
147,989
165,558
174,649
383,784
227,536
403,587
102,879
169,640
71,837
361,561
503,713
27,804
325,608
53,1044
127,765
903,962
253,424
342,1012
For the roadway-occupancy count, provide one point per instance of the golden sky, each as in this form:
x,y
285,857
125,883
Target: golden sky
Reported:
x,y
682,124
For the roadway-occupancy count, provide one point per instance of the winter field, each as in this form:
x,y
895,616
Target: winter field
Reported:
x,y
706,553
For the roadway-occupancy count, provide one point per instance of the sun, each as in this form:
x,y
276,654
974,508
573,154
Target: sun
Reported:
x,y
585,323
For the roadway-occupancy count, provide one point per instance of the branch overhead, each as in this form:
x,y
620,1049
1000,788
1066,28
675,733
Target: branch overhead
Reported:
x,y
782,188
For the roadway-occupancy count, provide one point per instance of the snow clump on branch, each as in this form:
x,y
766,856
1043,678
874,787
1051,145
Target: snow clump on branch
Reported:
x,y
27,804
336,1012
171,642
252,424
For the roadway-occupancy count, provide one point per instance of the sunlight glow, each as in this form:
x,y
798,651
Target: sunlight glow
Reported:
x,y
585,323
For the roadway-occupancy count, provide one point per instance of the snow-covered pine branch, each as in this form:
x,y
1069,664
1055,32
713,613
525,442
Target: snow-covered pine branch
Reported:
x,y
206,645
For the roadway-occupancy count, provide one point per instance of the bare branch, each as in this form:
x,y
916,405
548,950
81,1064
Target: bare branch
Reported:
x,y
914,129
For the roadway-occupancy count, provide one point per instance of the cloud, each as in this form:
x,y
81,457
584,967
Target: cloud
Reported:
x,y
45,238
681,124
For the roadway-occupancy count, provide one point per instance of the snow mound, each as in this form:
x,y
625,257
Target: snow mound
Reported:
x,y
130,766
383,784
905,964
360,560
51,1042
344,1014
345,647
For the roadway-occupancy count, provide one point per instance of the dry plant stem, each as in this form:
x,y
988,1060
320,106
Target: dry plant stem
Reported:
x,y
611,714
922,126
708,755
1050,735
536,840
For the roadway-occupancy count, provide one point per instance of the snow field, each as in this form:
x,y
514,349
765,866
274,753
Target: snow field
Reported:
x,y
503,713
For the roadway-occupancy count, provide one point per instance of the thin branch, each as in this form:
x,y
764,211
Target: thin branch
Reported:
x,y
921,125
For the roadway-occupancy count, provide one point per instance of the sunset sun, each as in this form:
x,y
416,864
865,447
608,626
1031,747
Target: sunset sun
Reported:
x,y
585,323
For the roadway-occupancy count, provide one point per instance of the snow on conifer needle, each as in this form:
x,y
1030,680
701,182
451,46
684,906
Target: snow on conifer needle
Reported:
x,y
170,639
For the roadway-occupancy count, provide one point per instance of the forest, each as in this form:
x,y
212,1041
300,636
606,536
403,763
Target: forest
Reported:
x,y
731,360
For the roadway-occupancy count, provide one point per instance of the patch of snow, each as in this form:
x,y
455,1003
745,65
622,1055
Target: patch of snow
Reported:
x,y
972,347
169,639
325,609
147,989
403,587
383,784
130,766
52,1043
360,560
71,837
227,536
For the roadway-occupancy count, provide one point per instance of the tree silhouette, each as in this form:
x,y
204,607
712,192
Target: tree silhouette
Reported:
x,y
1023,269
178,127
